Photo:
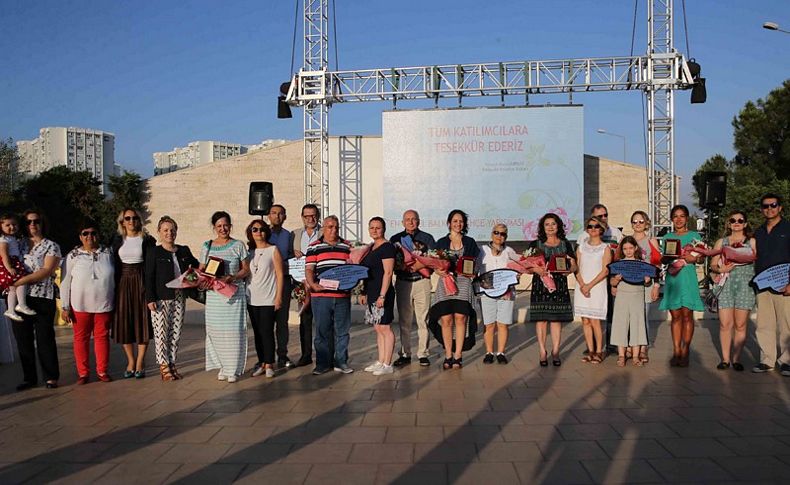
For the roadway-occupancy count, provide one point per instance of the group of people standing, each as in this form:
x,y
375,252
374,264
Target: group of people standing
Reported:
x,y
122,290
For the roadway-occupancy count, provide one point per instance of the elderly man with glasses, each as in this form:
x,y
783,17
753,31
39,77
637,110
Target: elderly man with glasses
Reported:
x,y
302,238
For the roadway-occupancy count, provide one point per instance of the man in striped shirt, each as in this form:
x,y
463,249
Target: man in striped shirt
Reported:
x,y
331,308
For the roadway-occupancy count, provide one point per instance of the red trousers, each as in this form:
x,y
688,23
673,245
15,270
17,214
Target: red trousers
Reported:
x,y
86,324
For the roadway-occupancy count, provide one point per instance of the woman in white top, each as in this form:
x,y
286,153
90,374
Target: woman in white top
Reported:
x,y
590,299
87,298
497,312
132,322
264,293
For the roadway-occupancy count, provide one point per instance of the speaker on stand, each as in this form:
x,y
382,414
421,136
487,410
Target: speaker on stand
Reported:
x,y
261,198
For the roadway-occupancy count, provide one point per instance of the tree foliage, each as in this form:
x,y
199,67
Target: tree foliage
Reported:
x,y
8,170
761,163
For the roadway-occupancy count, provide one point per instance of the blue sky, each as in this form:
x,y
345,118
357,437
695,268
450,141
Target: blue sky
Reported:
x,y
159,74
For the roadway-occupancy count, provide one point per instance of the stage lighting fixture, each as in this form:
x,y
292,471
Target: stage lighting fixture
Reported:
x,y
283,110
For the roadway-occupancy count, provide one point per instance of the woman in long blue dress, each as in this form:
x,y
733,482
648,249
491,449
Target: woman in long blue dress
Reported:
x,y
681,292
226,321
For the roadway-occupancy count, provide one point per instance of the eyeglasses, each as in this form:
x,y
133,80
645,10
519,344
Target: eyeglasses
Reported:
x,y
256,229
499,233
604,215
88,233
131,218
593,226
736,221
308,216
33,222
772,205
637,222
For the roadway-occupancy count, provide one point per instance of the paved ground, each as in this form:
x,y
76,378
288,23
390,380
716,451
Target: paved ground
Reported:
x,y
484,424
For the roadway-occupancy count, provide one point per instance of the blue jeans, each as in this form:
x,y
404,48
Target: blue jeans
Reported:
x,y
332,315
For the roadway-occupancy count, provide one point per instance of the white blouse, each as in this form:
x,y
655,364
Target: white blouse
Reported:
x,y
14,251
89,281
486,260
262,287
131,251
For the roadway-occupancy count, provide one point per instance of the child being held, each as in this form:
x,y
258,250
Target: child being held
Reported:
x,y
11,269
629,323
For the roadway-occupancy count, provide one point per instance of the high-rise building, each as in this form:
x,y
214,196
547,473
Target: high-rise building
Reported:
x,y
79,149
195,154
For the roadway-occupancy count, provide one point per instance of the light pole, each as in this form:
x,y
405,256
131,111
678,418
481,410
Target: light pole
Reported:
x,y
774,26
604,132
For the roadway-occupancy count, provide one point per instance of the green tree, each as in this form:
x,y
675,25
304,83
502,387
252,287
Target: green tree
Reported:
x,y
9,159
128,190
761,163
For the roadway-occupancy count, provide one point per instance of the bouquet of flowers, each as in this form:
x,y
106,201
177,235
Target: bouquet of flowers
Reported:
x,y
436,259
534,258
302,297
695,248
358,252
405,259
193,278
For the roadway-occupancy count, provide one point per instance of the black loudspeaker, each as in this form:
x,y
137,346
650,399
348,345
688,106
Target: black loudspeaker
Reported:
x,y
261,198
715,190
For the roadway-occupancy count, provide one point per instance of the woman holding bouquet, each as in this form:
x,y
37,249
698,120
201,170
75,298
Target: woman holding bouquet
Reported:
x,y
590,299
380,295
640,223
736,299
226,324
455,308
264,293
681,291
164,263
548,306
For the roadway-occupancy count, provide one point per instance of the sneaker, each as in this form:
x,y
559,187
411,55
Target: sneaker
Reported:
x,y
488,359
344,369
501,359
760,368
374,367
384,369
257,370
784,369
285,364
425,361
220,377
402,360
24,309
318,372
232,379
269,372
11,315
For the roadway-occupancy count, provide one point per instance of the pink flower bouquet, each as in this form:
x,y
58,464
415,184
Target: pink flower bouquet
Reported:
x,y
436,259
193,278
533,258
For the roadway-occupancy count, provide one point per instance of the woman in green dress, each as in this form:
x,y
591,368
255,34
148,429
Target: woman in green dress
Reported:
x,y
681,292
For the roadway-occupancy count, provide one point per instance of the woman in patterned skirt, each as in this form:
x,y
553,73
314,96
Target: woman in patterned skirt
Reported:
x,y
458,309
736,299
226,323
163,264
132,320
546,306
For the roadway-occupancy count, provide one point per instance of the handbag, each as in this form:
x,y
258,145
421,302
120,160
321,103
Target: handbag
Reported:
x,y
711,298
196,293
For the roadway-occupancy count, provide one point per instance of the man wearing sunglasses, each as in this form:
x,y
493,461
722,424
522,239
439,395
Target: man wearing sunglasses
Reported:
x,y
773,310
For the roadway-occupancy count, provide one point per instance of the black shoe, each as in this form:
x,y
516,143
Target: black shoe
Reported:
x,y
52,385
424,361
501,359
737,366
723,366
784,369
25,386
760,368
304,361
318,372
488,359
285,364
401,361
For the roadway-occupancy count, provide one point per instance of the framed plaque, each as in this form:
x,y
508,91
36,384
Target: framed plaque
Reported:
x,y
560,263
215,267
465,266
672,248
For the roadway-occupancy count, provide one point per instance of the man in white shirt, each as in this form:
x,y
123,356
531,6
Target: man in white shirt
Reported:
x,y
302,238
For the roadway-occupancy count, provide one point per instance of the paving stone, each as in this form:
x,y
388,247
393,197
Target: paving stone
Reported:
x,y
700,429
279,473
644,430
621,471
696,470
242,434
414,434
382,453
755,467
20,472
135,452
410,474
756,445
256,453
587,431
530,432
477,473
694,447
188,434
625,449
205,473
389,419
552,473
445,452
320,453
73,473
194,453
509,452
130,473
564,451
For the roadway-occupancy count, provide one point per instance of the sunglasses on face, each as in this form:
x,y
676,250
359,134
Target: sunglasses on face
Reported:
x,y
256,229
604,215
131,218
737,221
499,233
593,226
308,216
34,222
88,233
772,205
637,222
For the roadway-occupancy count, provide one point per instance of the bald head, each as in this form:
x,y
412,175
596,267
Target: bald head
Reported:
x,y
411,220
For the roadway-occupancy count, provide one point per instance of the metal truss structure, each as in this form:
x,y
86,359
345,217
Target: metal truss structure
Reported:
x,y
658,73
